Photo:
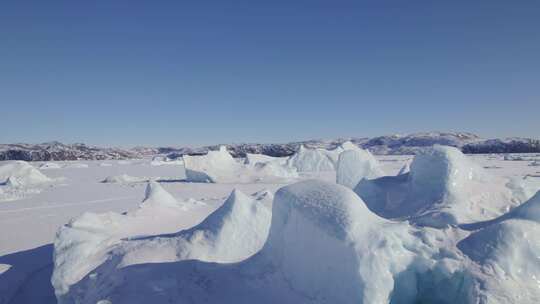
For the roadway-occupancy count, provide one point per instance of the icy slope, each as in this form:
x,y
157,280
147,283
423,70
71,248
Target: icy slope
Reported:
x,y
324,246
443,187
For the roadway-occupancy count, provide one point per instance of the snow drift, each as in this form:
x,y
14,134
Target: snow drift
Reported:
x,y
443,187
221,167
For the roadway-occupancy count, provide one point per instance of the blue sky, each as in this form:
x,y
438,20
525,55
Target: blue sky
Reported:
x,y
199,72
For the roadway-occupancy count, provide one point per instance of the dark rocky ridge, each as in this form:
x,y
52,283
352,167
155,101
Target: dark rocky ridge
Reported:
x,y
394,144
58,151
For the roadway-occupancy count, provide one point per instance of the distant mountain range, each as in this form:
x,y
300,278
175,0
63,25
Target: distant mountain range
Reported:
x,y
393,144
59,151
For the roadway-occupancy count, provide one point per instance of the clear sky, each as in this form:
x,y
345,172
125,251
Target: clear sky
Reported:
x,y
133,72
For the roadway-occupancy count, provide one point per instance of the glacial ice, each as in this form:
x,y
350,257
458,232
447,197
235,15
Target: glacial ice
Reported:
x,y
24,173
324,246
355,165
221,167
317,160
443,187
124,179
445,231
83,244
233,232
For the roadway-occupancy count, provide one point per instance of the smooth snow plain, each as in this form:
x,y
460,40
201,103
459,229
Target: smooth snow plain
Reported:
x,y
271,230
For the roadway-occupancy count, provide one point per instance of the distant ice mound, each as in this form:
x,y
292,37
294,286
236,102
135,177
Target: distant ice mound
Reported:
x,y
221,167
214,167
233,232
50,166
155,196
83,244
318,160
76,165
22,173
506,252
312,160
253,159
324,246
124,179
355,165
442,188
163,161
